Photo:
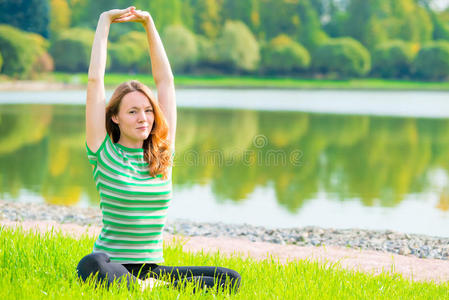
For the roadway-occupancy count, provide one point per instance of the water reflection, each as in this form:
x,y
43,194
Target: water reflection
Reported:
x,y
377,160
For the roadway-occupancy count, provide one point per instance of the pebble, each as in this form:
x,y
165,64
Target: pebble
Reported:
x,y
421,246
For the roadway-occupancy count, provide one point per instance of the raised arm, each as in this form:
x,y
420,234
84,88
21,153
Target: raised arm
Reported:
x,y
96,99
163,77
160,66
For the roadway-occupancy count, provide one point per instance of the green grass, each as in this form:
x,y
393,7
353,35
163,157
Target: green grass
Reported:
x,y
42,265
112,80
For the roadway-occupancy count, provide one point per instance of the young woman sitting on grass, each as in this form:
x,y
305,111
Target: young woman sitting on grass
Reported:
x,y
130,143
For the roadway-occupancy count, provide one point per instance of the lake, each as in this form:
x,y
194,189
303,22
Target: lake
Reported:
x,y
277,158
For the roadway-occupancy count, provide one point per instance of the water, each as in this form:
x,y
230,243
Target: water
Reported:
x,y
284,158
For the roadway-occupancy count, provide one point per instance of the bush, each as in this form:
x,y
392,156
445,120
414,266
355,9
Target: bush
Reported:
x,y
344,56
1,62
393,59
15,49
283,55
237,47
181,47
71,50
43,62
130,53
432,61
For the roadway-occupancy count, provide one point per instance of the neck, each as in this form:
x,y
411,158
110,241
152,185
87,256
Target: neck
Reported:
x,y
130,143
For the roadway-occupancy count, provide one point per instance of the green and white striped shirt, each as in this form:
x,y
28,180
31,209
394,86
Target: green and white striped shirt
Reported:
x,y
134,204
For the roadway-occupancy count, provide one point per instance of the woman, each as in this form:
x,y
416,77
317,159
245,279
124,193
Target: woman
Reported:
x,y
130,144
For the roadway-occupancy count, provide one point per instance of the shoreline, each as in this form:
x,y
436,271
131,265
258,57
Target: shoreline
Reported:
x,y
386,241
300,84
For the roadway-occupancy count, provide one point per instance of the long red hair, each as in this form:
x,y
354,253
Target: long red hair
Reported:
x,y
156,147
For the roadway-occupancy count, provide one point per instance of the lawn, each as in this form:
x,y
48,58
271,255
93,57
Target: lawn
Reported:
x,y
43,265
112,80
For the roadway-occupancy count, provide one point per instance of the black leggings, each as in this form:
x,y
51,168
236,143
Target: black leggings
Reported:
x,y
204,276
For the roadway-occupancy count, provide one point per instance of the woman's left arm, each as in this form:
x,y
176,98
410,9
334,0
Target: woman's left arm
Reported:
x,y
163,77
160,66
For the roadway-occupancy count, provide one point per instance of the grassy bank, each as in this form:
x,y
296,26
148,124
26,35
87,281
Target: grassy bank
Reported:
x,y
41,265
112,80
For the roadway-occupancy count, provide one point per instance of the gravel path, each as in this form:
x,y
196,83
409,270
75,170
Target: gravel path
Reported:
x,y
421,246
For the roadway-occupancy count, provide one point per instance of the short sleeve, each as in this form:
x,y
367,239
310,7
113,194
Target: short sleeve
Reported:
x,y
93,156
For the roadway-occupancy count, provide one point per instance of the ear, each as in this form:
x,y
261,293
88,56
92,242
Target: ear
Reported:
x,y
114,119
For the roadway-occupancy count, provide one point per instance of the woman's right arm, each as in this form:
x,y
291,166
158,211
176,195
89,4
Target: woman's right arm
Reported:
x,y
96,98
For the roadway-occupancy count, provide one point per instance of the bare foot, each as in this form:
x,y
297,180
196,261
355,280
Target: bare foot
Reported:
x,y
150,283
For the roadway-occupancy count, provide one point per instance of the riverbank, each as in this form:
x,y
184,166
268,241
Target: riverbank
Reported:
x,y
421,246
79,81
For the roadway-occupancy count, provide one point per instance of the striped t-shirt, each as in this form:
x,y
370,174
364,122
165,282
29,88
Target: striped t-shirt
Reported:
x,y
134,204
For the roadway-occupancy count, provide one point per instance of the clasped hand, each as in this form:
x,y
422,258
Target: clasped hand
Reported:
x,y
129,14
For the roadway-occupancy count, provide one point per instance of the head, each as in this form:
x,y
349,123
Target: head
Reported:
x,y
134,114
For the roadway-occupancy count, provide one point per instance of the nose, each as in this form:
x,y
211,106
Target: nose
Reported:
x,y
142,116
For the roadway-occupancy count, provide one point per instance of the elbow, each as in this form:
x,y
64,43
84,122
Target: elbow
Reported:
x,y
93,79
165,80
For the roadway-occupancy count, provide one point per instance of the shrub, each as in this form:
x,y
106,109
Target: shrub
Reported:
x,y
130,53
1,61
344,56
393,59
432,61
17,54
71,50
237,47
283,55
43,62
181,47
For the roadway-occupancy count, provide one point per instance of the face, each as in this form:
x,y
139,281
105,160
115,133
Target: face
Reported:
x,y
135,117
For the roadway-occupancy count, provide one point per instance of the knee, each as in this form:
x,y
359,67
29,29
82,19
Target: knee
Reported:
x,y
232,275
91,264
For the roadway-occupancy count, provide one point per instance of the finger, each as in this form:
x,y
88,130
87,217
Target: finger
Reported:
x,y
124,19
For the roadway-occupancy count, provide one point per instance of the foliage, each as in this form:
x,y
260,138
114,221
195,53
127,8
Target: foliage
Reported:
x,y
432,61
344,56
238,47
71,50
59,16
393,59
28,15
310,33
283,55
130,53
19,51
181,47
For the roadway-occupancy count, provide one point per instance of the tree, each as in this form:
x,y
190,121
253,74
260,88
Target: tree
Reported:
x,y
393,59
283,55
310,33
237,47
28,15
181,47
432,61
207,18
59,16
344,56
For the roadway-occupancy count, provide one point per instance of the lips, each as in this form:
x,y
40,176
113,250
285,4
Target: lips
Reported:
x,y
143,127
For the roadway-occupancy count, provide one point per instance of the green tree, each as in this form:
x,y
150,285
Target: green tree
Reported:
x,y
283,55
432,61
18,51
344,56
393,59
71,50
237,47
207,18
181,47
59,16
130,53
310,33
28,15
278,17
